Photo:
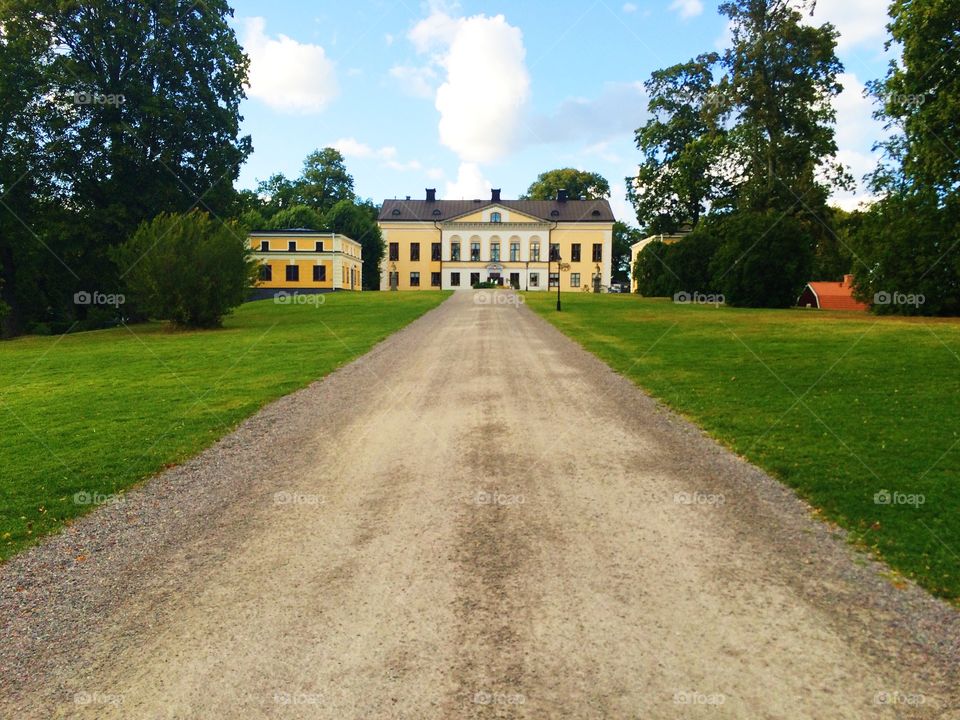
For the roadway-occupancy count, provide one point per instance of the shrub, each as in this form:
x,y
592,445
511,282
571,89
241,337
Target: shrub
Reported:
x,y
187,268
763,259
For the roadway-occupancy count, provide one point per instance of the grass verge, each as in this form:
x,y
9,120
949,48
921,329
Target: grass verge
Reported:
x,y
860,414
85,416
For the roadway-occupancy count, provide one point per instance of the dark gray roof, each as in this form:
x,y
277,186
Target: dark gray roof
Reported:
x,y
550,210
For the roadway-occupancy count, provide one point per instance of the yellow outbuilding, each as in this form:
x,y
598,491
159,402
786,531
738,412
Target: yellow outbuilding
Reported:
x,y
305,262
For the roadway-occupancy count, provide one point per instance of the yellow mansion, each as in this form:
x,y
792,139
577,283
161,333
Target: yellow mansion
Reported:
x,y
455,244
305,262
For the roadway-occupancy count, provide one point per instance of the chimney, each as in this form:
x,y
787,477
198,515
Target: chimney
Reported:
x,y
561,195
431,194
848,280
495,195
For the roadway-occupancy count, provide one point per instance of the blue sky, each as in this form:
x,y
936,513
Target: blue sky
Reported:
x,y
466,95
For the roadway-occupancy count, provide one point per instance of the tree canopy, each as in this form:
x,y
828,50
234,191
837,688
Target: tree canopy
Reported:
x,y
577,183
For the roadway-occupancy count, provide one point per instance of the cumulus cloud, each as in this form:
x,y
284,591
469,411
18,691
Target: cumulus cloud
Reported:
x,y
858,21
687,8
856,133
416,81
485,86
470,184
287,75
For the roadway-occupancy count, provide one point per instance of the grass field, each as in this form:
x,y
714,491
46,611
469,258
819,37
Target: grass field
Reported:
x,y
851,410
87,415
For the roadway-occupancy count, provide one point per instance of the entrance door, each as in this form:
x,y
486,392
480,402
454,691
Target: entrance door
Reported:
x,y
495,278
515,281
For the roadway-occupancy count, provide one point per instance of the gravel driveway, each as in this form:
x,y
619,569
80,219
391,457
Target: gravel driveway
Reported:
x,y
476,519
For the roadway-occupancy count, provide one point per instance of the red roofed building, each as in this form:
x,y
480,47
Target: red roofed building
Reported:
x,y
831,296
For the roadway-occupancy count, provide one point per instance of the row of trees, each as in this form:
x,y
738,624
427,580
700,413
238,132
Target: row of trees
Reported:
x,y
113,114
741,146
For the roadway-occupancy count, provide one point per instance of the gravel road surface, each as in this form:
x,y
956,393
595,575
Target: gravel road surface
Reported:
x,y
477,519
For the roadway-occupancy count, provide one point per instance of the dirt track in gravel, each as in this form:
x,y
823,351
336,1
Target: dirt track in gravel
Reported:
x,y
476,519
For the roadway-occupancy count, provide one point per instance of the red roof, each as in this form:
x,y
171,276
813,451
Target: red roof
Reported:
x,y
837,295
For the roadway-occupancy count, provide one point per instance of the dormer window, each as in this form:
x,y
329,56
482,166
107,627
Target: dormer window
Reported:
x,y
495,217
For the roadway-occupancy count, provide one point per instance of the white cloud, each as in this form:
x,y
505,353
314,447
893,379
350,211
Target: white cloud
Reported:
x,y
387,155
859,21
436,173
287,75
629,8
416,81
687,8
486,85
856,133
619,110
470,184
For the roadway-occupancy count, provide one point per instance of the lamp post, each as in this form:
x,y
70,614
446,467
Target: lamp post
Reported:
x,y
554,255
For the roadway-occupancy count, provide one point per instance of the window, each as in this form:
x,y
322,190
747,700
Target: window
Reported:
x,y
264,246
434,279
292,246
515,281
455,279
574,280
535,252
575,252
396,211
266,272
597,252
554,279
319,273
474,279
534,279
414,251
475,252
495,252
514,251
434,251
455,251
554,252
414,279
495,217
293,273
320,246
394,251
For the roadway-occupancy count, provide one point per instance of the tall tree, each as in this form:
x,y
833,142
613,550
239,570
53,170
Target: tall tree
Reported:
x,y
682,145
911,238
781,79
325,180
577,183
25,190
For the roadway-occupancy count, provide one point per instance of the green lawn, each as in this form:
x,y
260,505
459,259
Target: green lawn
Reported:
x,y
95,412
841,406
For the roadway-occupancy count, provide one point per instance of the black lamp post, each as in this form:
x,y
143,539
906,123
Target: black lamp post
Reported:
x,y
554,255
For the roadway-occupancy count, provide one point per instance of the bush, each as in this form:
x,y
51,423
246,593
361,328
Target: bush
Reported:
x,y
663,270
763,259
298,216
485,285
187,268
652,271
